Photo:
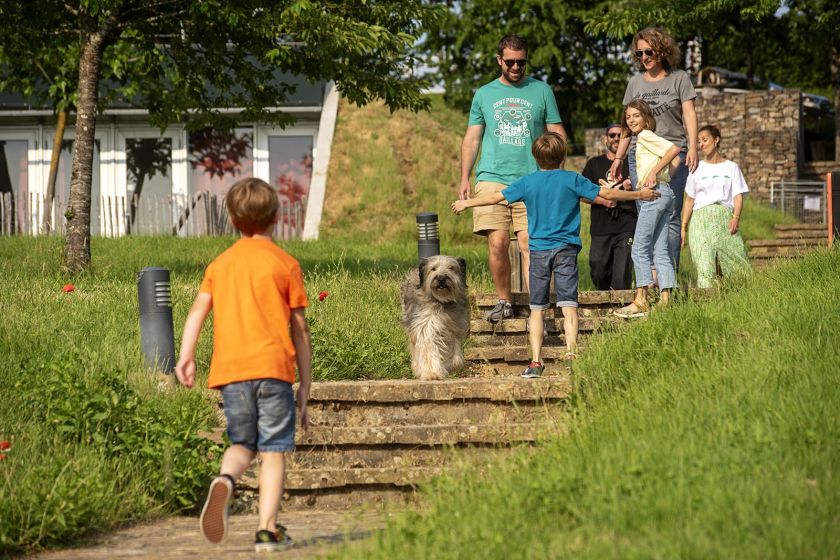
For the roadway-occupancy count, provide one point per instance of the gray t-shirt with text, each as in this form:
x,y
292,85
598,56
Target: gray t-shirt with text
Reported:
x,y
665,98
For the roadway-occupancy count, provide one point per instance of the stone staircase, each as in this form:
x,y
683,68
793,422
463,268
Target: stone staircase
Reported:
x,y
792,240
502,349
373,443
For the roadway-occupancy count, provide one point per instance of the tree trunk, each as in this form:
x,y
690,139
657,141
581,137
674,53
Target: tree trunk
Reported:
x,y
60,124
77,241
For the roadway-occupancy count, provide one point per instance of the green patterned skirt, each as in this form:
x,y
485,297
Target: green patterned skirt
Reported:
x,y
709,238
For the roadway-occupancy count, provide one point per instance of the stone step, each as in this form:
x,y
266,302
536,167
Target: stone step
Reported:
x,y
799,227
792,242
595,298
820,233
427,413
436,434
518,326
770,252
502,370
512,353
508,339
381,456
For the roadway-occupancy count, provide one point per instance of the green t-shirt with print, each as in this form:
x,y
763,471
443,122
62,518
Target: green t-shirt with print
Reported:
x,y
513,117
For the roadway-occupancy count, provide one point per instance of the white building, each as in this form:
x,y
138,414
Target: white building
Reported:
x,y
149,182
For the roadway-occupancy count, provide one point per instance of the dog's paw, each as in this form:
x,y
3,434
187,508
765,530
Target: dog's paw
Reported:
x,y
431,376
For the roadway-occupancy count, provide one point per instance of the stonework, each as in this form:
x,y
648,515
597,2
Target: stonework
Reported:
x,y
760,132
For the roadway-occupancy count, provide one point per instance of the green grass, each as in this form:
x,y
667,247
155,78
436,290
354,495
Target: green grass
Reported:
x,y
708,431
97,442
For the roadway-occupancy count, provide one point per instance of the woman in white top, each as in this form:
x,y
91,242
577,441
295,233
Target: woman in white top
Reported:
x,y
712,212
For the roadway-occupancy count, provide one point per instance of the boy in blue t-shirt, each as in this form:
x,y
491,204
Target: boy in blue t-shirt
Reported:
x,y
552,201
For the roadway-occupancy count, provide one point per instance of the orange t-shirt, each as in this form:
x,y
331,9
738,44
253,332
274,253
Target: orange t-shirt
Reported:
x,y
254,285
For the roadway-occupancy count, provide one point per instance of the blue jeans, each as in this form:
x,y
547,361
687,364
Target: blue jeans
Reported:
x,y
562,262
677,183
260,414
650,243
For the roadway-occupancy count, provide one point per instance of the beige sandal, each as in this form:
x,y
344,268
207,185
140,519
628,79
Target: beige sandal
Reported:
x,y
632,311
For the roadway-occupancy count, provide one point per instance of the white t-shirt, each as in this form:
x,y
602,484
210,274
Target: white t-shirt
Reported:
x,y
716,183
650,149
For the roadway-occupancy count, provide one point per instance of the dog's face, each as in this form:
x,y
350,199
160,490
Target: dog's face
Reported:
x,y
444,278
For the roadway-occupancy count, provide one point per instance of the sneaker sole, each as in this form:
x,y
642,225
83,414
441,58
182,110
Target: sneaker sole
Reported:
x,y
272,547
214,520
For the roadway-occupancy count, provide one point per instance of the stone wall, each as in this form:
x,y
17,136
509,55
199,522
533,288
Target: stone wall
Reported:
x,y
760,132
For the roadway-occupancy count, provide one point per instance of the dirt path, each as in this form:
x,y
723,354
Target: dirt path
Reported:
x,y
178,537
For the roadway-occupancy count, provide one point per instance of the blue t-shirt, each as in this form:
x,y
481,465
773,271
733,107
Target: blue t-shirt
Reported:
x,y
552,201
513,117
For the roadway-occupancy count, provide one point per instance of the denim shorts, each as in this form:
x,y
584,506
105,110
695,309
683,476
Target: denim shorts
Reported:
x,y
562,262
260,414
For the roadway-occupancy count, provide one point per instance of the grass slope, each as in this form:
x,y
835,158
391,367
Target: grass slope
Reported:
x,y
709,430
387,167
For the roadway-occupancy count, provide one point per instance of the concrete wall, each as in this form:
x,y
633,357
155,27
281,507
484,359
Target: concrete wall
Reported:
x,y
760,131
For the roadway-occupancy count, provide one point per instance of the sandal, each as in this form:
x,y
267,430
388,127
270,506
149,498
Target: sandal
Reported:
x,y
632,311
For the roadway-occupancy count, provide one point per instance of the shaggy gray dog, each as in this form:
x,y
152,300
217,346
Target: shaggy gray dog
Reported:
x,y
436,315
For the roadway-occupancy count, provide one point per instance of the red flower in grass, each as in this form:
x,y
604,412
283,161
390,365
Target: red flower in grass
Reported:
x,y
2,457
68,288
323,295
4,445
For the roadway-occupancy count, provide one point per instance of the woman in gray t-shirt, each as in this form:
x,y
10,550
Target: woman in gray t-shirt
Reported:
x,y
671,95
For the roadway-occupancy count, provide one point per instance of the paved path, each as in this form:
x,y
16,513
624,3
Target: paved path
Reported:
x,y
178,537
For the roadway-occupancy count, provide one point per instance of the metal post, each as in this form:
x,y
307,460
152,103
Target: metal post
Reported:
x,y
428,236
157,337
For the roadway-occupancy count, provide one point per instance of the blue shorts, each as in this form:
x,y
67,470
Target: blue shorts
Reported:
x,y
562,262
260,414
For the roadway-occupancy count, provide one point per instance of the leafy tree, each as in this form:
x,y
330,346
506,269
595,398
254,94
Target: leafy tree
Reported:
x,y
185,59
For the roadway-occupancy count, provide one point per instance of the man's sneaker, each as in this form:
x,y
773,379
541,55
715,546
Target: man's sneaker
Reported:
x,y
214,516
533,371
267,541
502,310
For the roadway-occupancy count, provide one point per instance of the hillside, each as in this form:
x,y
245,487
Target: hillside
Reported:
x,y
387,167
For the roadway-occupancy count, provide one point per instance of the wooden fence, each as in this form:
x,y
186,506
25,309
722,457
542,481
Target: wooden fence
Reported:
x,y
113,216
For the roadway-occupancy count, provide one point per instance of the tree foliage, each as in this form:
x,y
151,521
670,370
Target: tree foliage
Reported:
x,y
582,48
587,71
184,60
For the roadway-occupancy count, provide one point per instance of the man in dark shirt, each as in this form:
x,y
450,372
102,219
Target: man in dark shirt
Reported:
x,y
611,229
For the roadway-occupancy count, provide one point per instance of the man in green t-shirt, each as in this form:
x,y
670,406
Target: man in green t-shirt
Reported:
x,y
506,116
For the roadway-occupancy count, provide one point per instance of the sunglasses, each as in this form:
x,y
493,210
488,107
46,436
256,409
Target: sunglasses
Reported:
x,y
518,62
647,52
614,135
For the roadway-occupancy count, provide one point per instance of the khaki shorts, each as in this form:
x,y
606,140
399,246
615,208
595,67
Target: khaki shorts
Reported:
x,y
497,216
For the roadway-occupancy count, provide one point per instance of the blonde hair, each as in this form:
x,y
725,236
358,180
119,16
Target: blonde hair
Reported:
x,y
549,150
252,205
648,120
663,46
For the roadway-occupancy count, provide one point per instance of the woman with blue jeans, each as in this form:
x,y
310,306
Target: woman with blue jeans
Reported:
x,y
671,96
654,155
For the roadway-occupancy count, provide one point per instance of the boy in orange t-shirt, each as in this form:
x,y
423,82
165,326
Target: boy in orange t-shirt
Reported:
x,y
260,334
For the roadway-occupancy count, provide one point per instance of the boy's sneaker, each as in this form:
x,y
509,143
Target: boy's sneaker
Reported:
x,y
266,541
214,516
533,371
502,310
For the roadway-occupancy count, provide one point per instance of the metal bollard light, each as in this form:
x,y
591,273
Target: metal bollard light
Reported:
x,y
157,336
428,235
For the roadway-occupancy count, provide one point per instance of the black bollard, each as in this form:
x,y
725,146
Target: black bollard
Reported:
x,y
157,336
428,236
